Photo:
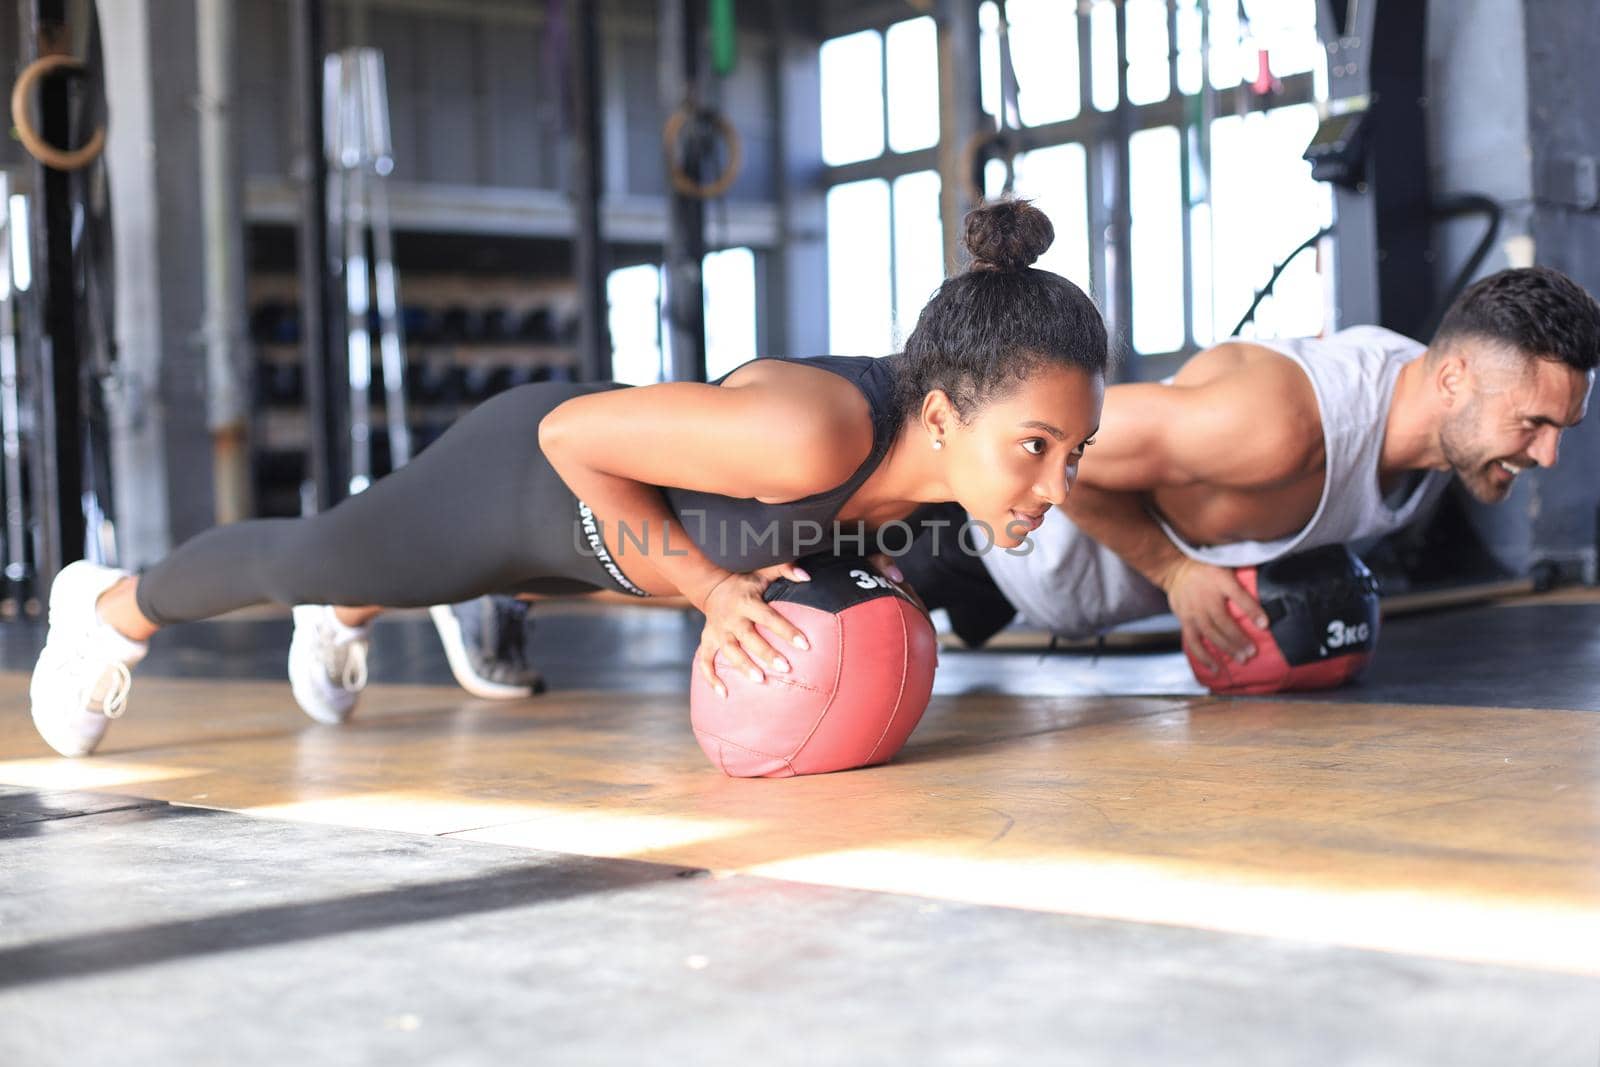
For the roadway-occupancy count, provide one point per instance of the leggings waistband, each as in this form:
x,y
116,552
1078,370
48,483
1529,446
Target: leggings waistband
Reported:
x,y
601,554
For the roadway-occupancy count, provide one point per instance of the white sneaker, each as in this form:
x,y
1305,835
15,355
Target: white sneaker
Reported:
x,y
81,681
327,663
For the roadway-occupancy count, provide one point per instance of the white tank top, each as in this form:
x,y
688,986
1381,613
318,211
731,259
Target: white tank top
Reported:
x,y
1353,375
1072,585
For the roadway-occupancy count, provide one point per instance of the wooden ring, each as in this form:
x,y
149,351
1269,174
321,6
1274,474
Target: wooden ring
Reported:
x,y
682,183
37,147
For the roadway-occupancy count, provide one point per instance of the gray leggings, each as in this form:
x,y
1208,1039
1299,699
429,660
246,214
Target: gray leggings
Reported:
x,y
479,511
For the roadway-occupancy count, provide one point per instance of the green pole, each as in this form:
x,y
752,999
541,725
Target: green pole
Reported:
x,y
724,49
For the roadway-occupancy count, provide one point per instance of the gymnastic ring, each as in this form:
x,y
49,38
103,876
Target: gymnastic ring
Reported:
x,y
682,183
979,149
40,149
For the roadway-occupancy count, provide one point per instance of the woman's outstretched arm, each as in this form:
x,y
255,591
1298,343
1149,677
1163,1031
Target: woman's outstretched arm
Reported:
x,y
778,440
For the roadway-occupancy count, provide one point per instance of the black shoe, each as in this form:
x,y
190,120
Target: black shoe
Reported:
x,y
485,642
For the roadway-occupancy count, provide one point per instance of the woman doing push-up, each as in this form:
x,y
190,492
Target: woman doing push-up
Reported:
x,y
710,491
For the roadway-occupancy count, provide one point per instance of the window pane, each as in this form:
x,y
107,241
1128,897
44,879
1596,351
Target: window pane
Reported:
x,y
1103,55
1266,201
1149,70
1189,46
1156,209
1299,305
918,248
852,97
1044,50
1200,237
730,302
989,56
633,295
913,85
1287,29
1228,64
994,179
859,308
1055,180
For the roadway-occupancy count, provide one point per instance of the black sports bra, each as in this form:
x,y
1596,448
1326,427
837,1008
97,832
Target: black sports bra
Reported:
x,y
744,534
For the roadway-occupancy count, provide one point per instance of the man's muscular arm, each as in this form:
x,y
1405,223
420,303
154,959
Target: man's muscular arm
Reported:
x,y
1197,592
1230,426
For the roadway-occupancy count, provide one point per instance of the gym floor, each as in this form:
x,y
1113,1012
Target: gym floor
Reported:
x,y
1076,859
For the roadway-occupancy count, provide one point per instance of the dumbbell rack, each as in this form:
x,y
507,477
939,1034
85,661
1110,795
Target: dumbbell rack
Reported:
x,y
468,337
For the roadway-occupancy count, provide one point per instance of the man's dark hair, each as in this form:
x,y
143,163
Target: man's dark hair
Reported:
x,y
1536,310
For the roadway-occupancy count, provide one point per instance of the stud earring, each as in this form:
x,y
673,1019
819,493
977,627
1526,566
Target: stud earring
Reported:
x,y
938,443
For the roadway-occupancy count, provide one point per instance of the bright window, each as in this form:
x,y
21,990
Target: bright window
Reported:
x,y
860,298
1249,204
1044,52
1287,29
913,85
638,329
1229,63
1157,216
852,98
730,298
1189,46
1149,72
1201,299
633,296
1054,179
1265,200
918,248
1103,55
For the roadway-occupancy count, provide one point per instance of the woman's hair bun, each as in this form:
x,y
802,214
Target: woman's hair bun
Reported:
x,y
1007,235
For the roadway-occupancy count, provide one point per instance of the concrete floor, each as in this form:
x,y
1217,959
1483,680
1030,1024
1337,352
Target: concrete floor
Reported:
x,y
134,930
150,934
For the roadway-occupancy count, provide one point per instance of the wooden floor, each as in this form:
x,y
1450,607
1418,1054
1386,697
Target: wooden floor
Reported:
x,y
1459,833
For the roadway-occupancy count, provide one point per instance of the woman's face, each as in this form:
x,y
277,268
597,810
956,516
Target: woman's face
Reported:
x,y
1018,456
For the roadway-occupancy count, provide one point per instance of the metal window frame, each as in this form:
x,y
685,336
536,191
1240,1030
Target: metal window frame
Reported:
x,y
1104,137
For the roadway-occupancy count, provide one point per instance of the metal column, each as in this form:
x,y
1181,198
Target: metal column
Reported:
x,y
227,364
793,279
1119,306
686,238
57,467
1377,65
328,473
589,258
11,459
1094,179
960,118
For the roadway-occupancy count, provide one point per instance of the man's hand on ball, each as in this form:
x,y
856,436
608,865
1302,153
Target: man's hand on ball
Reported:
x,y
1199,595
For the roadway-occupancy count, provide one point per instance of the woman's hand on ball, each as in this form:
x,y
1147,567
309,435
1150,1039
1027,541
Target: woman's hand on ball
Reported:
x,y
733,610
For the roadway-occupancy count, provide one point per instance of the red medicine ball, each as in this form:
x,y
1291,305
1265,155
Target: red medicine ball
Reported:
x,y
1322,613
850,701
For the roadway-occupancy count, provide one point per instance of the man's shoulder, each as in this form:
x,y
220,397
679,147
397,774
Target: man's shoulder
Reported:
x,y
1379,339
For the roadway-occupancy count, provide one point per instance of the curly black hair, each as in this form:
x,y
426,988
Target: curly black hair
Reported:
x,y
994,324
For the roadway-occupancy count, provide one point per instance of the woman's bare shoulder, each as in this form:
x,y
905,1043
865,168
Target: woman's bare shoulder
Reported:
x,y
822,412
